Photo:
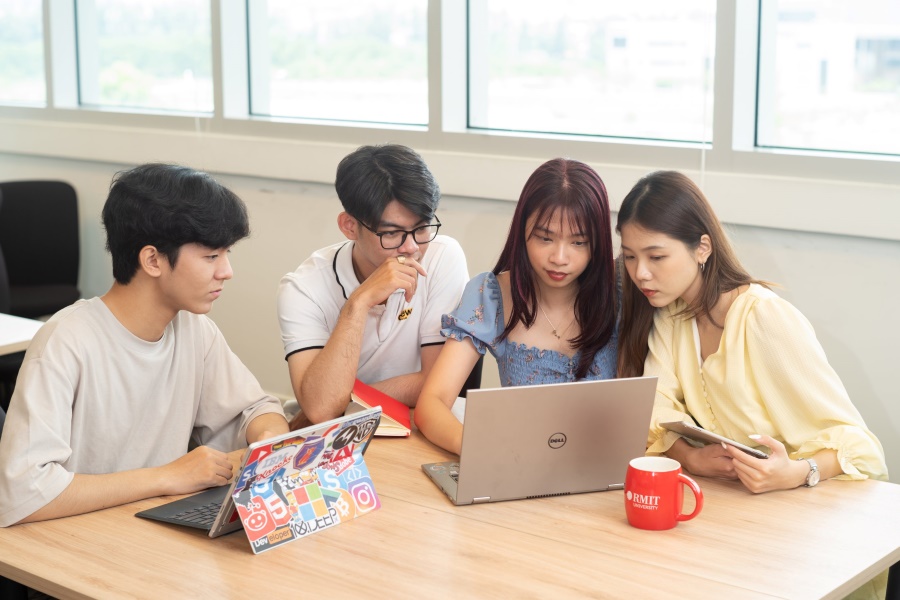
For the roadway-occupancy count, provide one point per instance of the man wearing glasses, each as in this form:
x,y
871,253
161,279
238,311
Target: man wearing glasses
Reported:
x,y
370,308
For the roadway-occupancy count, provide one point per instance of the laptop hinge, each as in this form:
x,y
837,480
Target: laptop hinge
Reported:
x,y
615,486
481,500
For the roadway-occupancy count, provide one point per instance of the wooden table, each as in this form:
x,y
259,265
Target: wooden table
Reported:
x,y
806,543
16,333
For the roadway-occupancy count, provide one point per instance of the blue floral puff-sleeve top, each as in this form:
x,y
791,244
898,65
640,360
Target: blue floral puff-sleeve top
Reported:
x,y
479,317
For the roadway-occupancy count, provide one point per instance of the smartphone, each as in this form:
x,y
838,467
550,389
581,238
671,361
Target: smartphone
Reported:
x,y
702,435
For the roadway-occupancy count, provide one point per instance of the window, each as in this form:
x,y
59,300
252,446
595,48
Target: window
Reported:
x,y
22,53
352,61
485,89
830,76
145,55
630,70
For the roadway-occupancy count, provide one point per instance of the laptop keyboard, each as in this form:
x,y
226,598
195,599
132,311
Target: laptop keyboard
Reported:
x,y
201,515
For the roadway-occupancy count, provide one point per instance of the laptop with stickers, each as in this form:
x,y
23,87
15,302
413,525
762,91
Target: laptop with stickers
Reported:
x,y
288,486
547,440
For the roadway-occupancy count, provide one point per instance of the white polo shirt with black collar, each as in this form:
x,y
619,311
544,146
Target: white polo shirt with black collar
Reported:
x,y
310,300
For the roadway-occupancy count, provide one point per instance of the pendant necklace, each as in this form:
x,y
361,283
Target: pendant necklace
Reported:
x,y
556,335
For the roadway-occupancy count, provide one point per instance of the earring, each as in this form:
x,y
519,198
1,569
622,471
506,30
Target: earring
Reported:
x,y
702,266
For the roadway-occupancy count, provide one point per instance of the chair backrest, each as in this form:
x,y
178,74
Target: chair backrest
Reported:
x,y
473,382
4,285
4,278
39,232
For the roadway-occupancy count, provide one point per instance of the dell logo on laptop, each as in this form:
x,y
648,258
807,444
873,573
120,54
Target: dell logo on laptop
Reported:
x,y
557,440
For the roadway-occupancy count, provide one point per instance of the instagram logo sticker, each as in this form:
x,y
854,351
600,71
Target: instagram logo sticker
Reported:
x,y
364,495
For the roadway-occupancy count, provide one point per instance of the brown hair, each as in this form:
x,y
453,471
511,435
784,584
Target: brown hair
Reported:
x,y
668,202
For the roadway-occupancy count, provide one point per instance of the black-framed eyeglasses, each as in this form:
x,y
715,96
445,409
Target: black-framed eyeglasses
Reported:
x,y
395,238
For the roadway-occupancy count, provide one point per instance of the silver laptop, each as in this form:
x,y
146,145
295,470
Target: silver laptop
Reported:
x,y
548,440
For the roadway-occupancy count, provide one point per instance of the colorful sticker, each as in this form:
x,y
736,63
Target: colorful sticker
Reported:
x,y
308,485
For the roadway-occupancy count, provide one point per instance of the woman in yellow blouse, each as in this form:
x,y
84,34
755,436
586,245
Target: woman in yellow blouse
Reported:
x,y
729,353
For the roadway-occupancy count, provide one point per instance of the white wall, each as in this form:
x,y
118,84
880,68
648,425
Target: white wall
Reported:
x,y
846,286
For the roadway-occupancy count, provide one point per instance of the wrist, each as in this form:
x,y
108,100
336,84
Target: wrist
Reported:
x,y
682,452
357,306
160,483
686,458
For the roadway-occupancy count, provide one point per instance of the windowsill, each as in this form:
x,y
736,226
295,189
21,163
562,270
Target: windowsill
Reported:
x,y
767,188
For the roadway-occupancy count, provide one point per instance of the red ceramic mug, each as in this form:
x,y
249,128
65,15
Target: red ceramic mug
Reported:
x,y
654,493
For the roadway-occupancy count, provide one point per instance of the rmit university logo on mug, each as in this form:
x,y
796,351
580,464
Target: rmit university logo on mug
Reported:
x,y
557,440
643,501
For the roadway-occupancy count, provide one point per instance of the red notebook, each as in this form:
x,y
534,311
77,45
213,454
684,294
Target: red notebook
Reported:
x,y
394,414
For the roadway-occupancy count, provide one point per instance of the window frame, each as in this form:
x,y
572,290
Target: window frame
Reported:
x,y
797,190
38,101
87,70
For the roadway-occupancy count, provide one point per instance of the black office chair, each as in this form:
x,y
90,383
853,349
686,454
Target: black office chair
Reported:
x,y
4,278
8,588
39,237
9,369
11,590
893,583
474,380
9,363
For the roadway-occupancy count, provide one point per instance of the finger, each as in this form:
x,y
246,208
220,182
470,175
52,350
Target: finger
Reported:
x,y
411,291
776,447
749,482
220,459
392,274
224,472
717,450
742,457
744,469
215,470
750,477
759,475
757,483
410,270
411,262
733,452
215,481
724,464
405,278
216,460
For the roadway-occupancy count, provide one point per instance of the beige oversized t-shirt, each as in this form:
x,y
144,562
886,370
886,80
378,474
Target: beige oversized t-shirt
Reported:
x,y
93,398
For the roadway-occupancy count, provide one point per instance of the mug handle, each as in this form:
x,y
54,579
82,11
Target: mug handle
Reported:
x,y
698,497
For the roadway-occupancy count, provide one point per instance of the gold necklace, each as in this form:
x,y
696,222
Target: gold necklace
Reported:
x,y
556,335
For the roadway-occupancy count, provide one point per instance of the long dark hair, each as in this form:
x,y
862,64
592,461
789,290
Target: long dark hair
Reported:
x,y
576,190
668,202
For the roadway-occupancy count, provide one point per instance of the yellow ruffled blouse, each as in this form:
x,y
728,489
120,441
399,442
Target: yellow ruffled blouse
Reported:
x,y
769,376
